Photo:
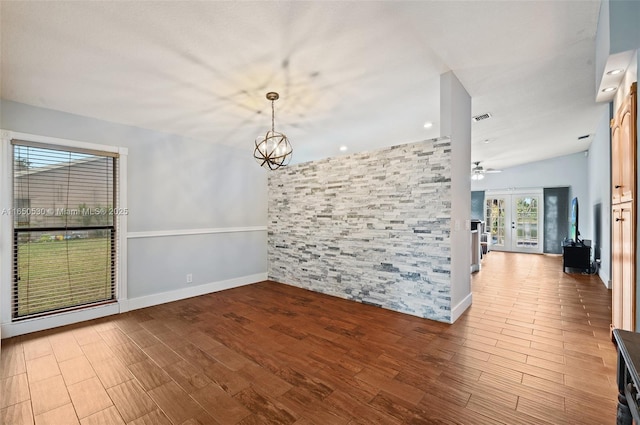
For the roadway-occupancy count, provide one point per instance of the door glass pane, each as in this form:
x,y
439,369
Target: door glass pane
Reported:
x,y
495,213
526,221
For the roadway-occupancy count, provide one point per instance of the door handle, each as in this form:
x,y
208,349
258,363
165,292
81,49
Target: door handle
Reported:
x,y
617,186
619,219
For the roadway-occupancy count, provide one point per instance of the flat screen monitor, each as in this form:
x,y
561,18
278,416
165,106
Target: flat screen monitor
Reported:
x,y
574,234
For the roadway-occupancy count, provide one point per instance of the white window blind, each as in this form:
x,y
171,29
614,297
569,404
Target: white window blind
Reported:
x,y
65,218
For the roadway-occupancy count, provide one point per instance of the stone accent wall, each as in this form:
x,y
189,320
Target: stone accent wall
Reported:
x,y
370,227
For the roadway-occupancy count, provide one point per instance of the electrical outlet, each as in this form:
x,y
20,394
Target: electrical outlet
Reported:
x,y
189,278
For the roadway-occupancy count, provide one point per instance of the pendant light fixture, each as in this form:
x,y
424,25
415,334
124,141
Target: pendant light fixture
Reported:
x,y
273,150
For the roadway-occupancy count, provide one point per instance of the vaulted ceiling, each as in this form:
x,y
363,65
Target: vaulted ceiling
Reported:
x,y
359,74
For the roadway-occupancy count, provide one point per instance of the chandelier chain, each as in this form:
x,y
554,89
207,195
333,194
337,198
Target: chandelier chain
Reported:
x,y
273,120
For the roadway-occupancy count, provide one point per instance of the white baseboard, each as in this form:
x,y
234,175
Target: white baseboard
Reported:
x,y
460,308
605,280
11,329
193,291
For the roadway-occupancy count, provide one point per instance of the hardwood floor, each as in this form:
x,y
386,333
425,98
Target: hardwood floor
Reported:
x,y
533,349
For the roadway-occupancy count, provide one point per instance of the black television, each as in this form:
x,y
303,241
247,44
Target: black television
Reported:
x,y
574,234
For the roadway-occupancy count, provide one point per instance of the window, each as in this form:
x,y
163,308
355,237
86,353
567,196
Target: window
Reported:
x,y
21,205
64,228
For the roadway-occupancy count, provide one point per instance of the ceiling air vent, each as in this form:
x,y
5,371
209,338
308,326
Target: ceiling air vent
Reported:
x,y
481,117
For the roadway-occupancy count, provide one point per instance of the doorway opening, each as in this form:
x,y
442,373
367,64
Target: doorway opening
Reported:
x,y
514,220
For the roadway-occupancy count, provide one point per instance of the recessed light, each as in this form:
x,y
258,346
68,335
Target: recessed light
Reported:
x,y
609,89
615,72
486,141
343,148
428,124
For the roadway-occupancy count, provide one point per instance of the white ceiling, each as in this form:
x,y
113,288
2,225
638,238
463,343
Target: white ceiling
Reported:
x,y
360,74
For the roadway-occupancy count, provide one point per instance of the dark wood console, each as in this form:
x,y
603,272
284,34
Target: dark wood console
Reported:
x,y
576,255
627,376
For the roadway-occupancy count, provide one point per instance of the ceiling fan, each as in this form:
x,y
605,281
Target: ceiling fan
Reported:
x,y
478,171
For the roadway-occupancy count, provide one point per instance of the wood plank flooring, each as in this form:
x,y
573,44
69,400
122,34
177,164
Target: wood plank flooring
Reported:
x,y
533,349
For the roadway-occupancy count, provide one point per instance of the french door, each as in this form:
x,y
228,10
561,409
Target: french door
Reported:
x,y
514,220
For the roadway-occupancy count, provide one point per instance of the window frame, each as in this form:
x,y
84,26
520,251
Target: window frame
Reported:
x,y
11,327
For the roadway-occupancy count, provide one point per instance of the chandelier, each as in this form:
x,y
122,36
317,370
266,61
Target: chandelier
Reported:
x,y
273,150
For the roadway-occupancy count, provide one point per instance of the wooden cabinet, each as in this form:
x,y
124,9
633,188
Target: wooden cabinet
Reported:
x,y
623,150
623,219
623,295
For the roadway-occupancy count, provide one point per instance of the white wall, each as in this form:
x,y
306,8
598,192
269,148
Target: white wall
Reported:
x,y
624,29
194,207
455,123
630,76
599,166
618,45
568,170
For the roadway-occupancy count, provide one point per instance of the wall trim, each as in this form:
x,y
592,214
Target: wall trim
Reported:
x,y
516,191
64,142
67,318
56,320
187,232
194,291
461,307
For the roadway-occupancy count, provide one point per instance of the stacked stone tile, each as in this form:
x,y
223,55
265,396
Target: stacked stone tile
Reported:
x,y
370,227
